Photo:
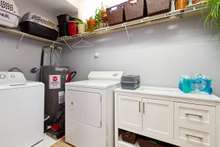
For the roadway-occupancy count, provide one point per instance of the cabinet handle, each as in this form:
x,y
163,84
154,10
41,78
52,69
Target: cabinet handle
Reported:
x,y
139,107
143,108
72,103
193,136
196,115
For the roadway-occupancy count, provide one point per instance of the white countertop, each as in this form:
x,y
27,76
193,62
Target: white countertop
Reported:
x,y
170,92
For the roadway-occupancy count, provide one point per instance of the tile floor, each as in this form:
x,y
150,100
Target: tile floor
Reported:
x,y
47,142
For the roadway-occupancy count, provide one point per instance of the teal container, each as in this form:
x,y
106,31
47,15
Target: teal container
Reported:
x,y
195,84
185,84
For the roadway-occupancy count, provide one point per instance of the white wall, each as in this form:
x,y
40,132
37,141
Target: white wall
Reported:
x,y
29,53
159,53
25,58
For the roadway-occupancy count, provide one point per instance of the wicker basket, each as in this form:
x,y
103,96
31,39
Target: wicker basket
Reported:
x,y
148,143
129,137
116,14
196,1
134,9
158,6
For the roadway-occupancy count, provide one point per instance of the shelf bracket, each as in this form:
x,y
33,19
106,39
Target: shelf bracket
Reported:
x,y
126,31
20,41
173,7
67,44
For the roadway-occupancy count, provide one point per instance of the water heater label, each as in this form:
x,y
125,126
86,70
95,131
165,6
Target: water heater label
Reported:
x,y
54,81
61,98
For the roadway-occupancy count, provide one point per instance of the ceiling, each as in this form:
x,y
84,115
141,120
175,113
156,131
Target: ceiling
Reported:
x,y
58,6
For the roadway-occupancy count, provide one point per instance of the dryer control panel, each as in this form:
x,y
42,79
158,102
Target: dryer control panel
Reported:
x,y
105,75
12,78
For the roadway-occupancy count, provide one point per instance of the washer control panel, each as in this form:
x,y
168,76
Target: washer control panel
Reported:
x,y
12,78
3,76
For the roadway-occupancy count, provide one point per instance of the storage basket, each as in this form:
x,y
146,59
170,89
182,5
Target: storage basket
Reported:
x,y
196,1
9,16
148,143
134,9
128,137
158,6
116,14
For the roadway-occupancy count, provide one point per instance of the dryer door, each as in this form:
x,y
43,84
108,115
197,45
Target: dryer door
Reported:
x,y
84,108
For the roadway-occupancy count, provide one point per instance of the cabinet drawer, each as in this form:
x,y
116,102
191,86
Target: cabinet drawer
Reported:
x,y
198,117
193,138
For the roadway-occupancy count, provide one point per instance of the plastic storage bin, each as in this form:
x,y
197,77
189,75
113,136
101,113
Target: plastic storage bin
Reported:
x,y
116,14
134,9
158,6
38,26
9,16
131,82
72,28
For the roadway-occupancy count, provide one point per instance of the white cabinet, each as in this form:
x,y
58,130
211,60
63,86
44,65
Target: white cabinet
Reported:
x,y
149,117
158,118
195,125
129,111
185,120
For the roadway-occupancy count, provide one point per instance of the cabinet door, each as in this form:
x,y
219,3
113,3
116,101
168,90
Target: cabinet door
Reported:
x,y
158,118
129,113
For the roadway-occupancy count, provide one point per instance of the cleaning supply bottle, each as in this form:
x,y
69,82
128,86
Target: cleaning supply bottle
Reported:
x,y
185,84
196,84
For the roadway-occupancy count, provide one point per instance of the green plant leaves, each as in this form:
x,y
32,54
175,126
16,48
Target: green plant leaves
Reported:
x,y
213,17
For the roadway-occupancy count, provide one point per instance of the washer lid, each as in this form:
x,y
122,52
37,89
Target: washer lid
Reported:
x,y
105,75
26,85
95,84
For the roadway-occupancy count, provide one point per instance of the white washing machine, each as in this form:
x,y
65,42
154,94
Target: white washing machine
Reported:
x,y
90,110
21,111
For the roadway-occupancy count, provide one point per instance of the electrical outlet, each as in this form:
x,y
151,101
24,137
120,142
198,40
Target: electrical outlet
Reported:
x,y
96,55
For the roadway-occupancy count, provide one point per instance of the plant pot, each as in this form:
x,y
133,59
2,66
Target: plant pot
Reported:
x,y
181,4
91,25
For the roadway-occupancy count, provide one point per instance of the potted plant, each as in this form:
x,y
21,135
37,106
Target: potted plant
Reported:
x,y
213,17
98,18
91,24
